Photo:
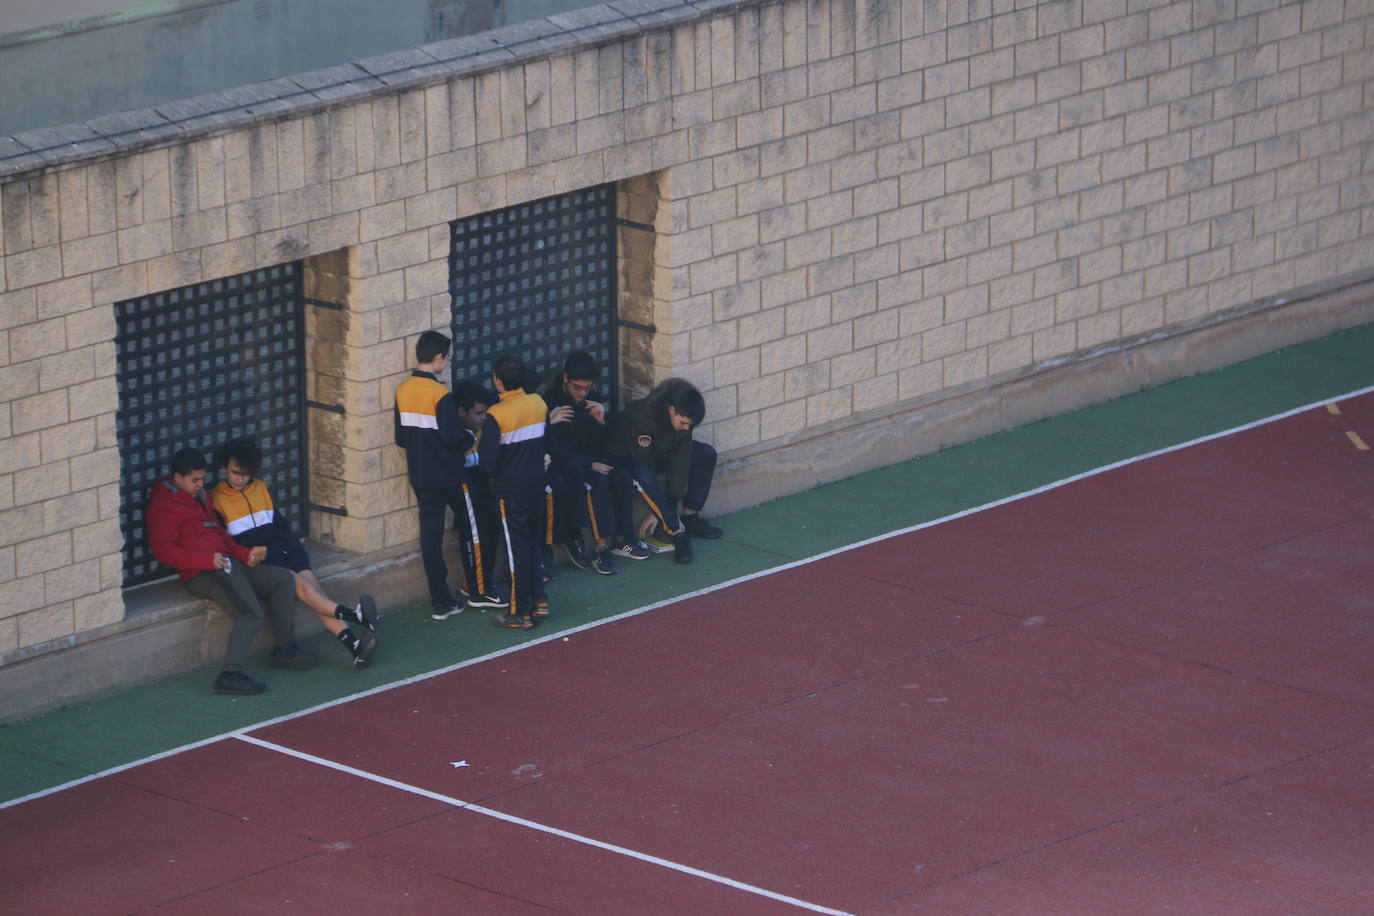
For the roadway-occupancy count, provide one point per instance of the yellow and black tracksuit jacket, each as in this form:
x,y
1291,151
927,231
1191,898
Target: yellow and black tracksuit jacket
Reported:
x,y
249,514
429,429
512,445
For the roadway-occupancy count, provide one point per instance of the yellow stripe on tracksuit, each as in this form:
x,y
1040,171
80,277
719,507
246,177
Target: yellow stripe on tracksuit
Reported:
x,y
653,507
548,515
476,541
591,516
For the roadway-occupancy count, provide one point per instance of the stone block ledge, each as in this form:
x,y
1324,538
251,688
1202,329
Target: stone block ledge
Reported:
x,y
166,630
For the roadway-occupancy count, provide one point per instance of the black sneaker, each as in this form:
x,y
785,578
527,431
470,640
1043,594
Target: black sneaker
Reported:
x,y
631,550
602,562
367,647
699,527
292,657
512,622
236,683
488,600
577,554
682,548
366,612
446,611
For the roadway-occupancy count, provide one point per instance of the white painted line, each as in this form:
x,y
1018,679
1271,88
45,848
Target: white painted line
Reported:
x,y
542,828
694,594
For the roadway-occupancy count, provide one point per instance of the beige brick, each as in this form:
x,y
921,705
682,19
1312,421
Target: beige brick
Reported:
x,y
43,554
35,266
64,369
96,468
98,610
71,511
68,440
21,595
75,581
45,481
45,625
784,419
39,411
430,209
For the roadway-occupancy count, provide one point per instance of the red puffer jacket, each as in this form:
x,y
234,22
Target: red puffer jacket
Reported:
x,y
184,533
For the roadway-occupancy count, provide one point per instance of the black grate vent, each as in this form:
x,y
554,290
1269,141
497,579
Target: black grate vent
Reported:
x,y
537,280
201,365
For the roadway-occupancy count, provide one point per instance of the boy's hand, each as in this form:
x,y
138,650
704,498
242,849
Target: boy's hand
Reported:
x,y
257,555
598,412
601,467
561,414
648,526
221,561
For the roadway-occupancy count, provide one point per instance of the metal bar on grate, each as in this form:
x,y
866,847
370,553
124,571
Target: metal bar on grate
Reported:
x,y
537,280
198,366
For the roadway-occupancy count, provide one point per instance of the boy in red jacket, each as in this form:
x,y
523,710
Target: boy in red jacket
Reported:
x,y
185,533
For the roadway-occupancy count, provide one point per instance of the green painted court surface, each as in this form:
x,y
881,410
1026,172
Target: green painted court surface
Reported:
x,y
73,743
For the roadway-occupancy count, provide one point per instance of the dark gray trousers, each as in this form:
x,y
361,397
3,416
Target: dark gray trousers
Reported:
x,y
243,594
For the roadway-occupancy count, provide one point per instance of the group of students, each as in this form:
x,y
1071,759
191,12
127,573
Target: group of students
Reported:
x,y
522,471
525,466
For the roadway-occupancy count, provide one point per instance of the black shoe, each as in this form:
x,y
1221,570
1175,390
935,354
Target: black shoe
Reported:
x,y
699,527
488,600
682,548
367,647
512,622
366,612
236,683
602,562
446,611
291,657
577,554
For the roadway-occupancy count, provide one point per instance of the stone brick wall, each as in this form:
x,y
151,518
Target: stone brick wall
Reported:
x,y
855,207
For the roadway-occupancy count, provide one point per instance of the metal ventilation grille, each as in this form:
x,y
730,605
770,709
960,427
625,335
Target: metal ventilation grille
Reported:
x,y
537,280
201,365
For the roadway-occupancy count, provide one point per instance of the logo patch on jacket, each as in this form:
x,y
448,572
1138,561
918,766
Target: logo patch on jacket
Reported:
x,y
644,441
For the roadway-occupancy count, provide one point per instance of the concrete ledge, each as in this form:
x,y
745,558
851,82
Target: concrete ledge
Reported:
x,y
166,631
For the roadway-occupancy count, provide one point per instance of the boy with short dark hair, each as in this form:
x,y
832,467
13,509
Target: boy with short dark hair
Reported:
x,y
428,427
512,453
252,519
476,525
654,434
576,443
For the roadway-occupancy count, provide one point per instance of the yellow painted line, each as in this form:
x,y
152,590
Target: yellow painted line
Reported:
x,y
1334,410
1355,438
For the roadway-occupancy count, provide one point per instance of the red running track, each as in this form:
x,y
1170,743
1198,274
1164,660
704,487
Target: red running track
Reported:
x,y
1146,690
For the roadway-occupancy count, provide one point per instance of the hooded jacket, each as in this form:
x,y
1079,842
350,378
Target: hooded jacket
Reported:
x,y
643,434
184,532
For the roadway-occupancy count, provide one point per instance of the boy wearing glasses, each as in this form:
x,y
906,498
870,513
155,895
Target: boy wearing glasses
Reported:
x,y
576,443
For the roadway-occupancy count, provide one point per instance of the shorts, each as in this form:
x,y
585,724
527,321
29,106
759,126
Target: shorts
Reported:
x,y
289,554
